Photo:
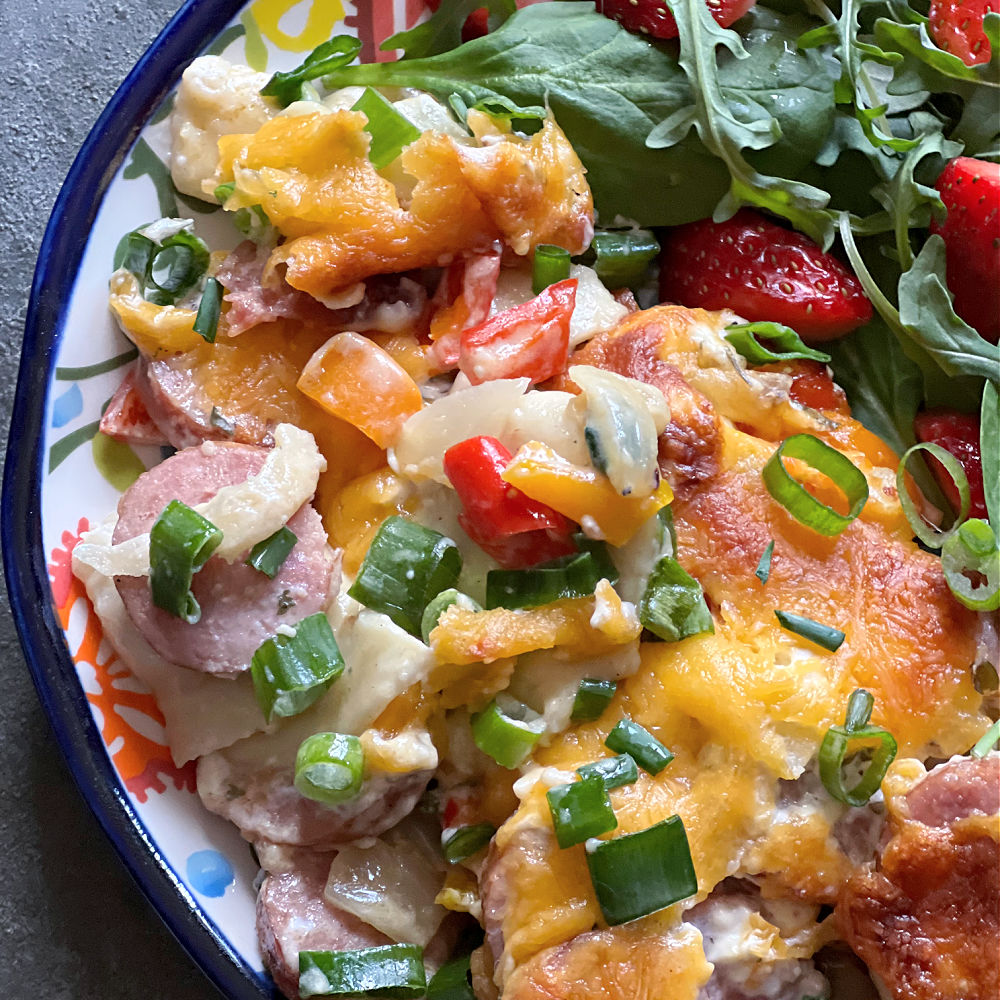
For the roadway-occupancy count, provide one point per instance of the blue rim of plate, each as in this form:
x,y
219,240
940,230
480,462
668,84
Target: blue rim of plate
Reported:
x,y
42,639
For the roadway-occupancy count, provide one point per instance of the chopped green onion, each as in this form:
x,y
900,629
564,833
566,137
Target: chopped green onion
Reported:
x,y
181,541
640,873
988,741
744,337
268,555
466,841
166,268
206,322
613,771
823,635
859,710
623,257
389,130
437,607
504,109
452,981
291,672
798,501
928,534
329,767
673,604
223,192
507,730
640,744
592,697
390,970
580,810
286,87
973,549
837,742
571,576
606,567
551,264
763,570
665,517
405,568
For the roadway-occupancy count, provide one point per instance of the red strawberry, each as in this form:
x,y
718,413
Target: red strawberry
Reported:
x,y
957,27
653,17
957,433
763,272
970,190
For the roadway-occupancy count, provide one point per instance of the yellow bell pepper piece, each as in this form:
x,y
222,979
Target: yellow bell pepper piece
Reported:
x,y
584,625
355,513
579,493
153,329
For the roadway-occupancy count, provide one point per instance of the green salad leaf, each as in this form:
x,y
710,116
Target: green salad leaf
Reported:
x,y
442,31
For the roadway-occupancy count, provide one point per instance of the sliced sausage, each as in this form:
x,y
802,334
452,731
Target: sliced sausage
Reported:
x,y
260,797
179,405
293,916
927,921
240,607
127,418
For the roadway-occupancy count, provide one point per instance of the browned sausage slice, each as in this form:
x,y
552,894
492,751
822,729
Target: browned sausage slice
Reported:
x,y
293,916
240,607
260,797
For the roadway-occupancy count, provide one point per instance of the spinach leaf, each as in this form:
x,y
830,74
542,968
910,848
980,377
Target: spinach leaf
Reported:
x,y
572,58
883,386
989,447
442,31
727,127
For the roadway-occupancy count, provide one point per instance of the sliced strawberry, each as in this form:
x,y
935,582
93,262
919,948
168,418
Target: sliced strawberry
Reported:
x,y
653,17
970,190
957,27
763,272
957,433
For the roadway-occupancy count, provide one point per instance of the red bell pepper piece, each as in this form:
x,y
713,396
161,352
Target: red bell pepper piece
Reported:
x,y
514,529
531,339
957,433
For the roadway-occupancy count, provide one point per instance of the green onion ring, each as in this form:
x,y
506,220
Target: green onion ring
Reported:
x,y
987,742
798,501
973,548
928,534
329,768
836,744
551,265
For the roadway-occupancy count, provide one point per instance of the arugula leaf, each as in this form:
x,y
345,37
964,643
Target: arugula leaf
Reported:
x,y
442,31
927,316
726,132
908,202
856,86
569,57
926,68
989,448
286,87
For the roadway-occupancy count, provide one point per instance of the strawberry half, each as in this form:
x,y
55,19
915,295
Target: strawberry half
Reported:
x,y
970,190
763,272
957,27
653,17
957,433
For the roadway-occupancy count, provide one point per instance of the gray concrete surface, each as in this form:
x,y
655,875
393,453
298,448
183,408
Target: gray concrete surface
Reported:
x,y
73,925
